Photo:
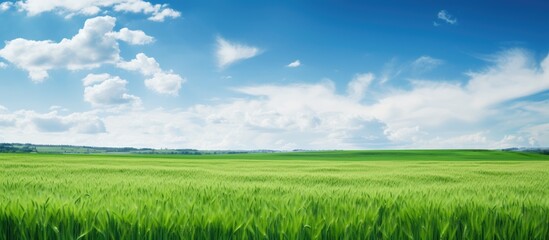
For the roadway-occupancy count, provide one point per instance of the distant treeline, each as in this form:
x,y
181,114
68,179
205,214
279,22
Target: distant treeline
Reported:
x,y
529,150
69,149
16,148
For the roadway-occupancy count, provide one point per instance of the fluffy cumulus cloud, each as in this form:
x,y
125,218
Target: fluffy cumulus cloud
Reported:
x,y
3,65
165,83
161,14
156,12
229,52
136,37
94,45
160,81
104,90
147,66
294,64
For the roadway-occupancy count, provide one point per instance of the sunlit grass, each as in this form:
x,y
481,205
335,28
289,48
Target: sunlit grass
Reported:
x,y
343,195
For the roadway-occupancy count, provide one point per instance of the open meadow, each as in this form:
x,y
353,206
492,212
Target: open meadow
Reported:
x,y
441,194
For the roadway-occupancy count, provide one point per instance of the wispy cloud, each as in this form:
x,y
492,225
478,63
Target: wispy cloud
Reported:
x,y
394,68
229,52
160,81
391,69
446,17
294,64
425,64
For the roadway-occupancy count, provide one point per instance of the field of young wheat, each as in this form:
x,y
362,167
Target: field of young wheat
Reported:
x,y
332,195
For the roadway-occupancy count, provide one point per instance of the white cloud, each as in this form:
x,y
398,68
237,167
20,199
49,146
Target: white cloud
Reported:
x,y
229,53
284,117
160,81
446,17
90,48
93,46
475,140
425,64
156,12
92,79
445,107
81,123
165,83
391,69
39,126
318,98
294,64
509,141
488,110
104,90
163,14
145,65
317,119
136,37
4,6
51,124
6,121
3,65
57,108
358,86
538,134
512,77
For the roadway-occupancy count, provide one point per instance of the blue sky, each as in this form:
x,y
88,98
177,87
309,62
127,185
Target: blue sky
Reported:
x,y
275,74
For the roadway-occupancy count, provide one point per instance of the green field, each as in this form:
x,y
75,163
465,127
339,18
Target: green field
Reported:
x,y
448,194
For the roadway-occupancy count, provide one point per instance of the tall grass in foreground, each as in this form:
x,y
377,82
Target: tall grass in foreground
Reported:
x,y
104,197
